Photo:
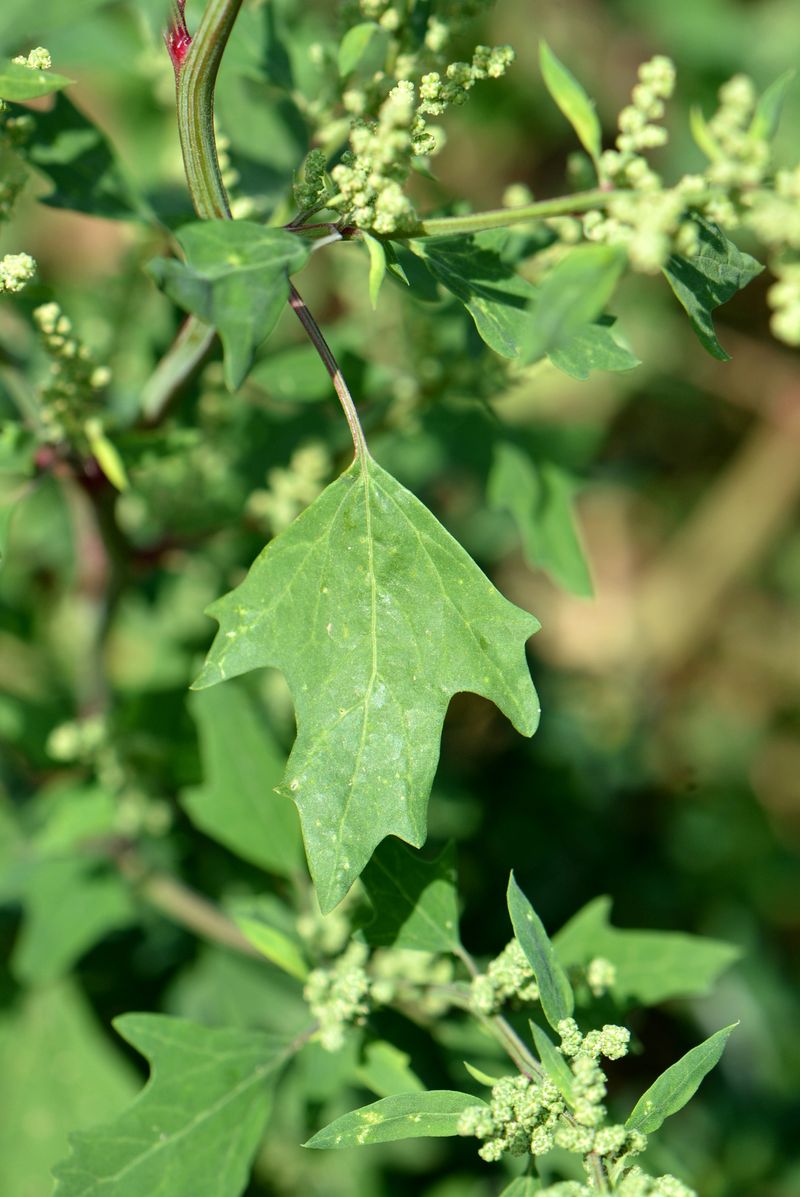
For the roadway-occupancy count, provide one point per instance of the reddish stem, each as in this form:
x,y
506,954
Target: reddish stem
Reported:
x,y
177,37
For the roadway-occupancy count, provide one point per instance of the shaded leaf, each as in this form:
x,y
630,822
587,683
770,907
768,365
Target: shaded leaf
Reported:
x,y
385,1070
554,1064
415,900
540,500
678,1084
767,114
522,1186
376,616
592,348
235,278
651,966
555,991
355,44
434,1113
377,266
194,1127
573,101
704,139
572,295
274,944
711,277
20,82
242,766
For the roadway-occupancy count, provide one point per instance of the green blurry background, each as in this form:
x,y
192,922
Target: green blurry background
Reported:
x,y
666,772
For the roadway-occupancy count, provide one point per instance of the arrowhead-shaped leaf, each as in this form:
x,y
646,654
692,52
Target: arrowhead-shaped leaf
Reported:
x,y
236,278
415,900
434,1113
194,1128
555,992
376,617
678,1084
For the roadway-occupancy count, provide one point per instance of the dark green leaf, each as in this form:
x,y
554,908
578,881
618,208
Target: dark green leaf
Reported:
x,y
236,278
242,766
651,966
764,124
415,900
540,499
377,617
20,82
195,1126
555,991
554,1064
711,277
591,348
678,1084
573,294
404,1116
573,101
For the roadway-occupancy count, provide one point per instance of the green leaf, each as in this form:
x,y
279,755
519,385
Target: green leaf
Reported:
x,y
242,766
376,616
377,266
415,900
385,1070
493,294
405,1116
573,101
555,991
553,1063
572,295
522,1186
236,278
651,966
678,1084
194,1128
20,82
767,114
711,277
704,139
355,44
540,500
483,1078
273,944
592,348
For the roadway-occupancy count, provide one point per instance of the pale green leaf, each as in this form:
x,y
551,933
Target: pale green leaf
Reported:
x,y
274,944
405,1116
242,765
555,991
477,1074
540,500
376,617
377,266
592,348
704,139
678,1084
554,1064
651,966
235,278
21,82
767,114
572,295
522,1186
355,44
195,1126
709,278
414,900
573,101
386,1070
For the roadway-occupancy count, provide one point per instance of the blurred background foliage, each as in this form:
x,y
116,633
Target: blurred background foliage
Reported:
x,y
666,772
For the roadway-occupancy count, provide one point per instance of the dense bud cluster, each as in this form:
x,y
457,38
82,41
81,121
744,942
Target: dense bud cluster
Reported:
x,y
508,976
337,996
16,270
291,488
71,393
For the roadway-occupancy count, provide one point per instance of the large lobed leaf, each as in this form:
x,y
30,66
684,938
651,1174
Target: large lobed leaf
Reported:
x,y
376,617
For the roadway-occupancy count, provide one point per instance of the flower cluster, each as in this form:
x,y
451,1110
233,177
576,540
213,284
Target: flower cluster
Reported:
x,y
38,60
412,978
600,976
291,488
16,270
72,392
337,996
508,976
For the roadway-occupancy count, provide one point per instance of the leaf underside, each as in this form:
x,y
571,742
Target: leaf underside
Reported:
x,y
376,617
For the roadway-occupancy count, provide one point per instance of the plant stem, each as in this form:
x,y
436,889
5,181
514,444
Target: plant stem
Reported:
x,y
476,222
183,357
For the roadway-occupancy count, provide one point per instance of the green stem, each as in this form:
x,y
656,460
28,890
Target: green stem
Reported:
x,y
183,357
476,222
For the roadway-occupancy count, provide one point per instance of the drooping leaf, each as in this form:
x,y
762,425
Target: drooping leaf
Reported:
x,y
376,616
572,295
540,499
377,266
434,1113
555,991
242,765
552,1061
355,44
767,113
678,1084
651,966
573,101
492,292
592,348
415,900
194,1127
235,278
477,1074
386,1070
711,277
21,82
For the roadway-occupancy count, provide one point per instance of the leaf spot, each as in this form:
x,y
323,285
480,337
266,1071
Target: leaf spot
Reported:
x,y
294,785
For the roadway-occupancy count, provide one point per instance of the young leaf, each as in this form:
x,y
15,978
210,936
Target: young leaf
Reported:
x,y
273,944
553,1062
242,765
572,295
355,44
385,1070
540,500
711,277
194,1127
414,900
767,114
477,1074
376,616
675,1087
377,266
572,100
236,278
651,966
555,991
704,139
434,1113
21,82
493,294
591,348
522,1186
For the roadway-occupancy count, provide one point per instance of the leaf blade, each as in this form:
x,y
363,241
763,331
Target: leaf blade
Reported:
x,y
555,991
677,1084
572,100
433,1113
415,900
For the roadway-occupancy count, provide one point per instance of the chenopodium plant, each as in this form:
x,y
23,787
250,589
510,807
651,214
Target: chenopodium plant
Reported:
x,y
376,615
